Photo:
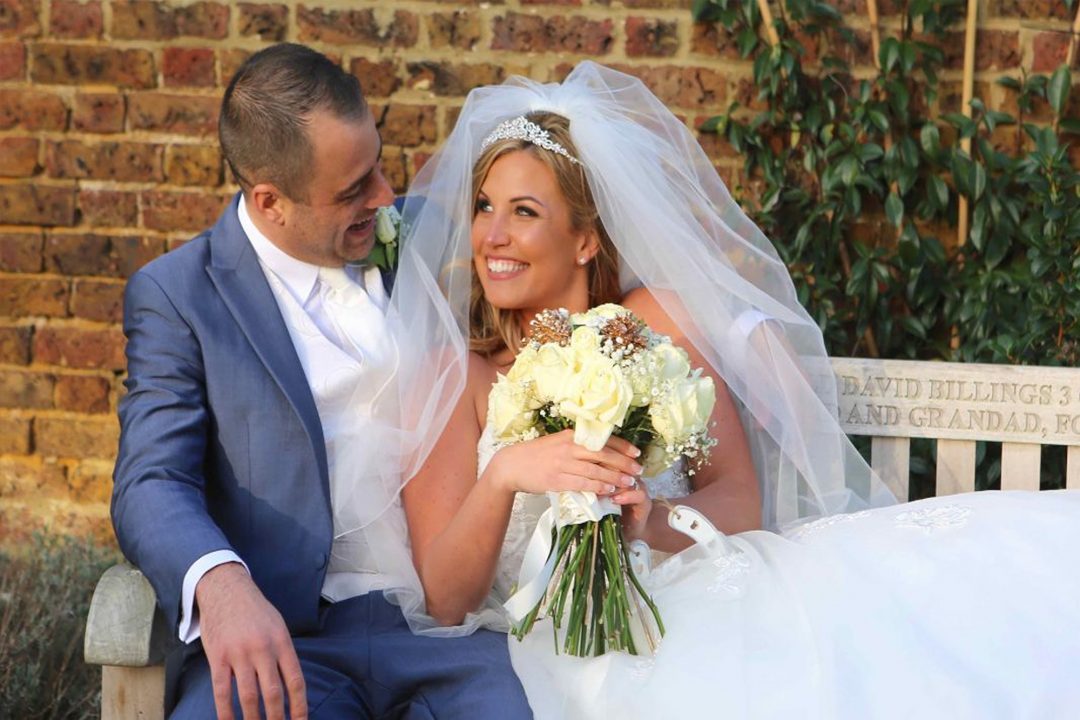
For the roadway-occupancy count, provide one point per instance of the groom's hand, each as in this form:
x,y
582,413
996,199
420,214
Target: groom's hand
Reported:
x,y
245,638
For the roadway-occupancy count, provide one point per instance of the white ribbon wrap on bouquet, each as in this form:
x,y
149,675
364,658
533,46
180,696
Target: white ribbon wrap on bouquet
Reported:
x,y
567,508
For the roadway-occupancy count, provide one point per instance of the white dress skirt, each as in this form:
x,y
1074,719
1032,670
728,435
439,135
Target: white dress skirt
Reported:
x,y
956,607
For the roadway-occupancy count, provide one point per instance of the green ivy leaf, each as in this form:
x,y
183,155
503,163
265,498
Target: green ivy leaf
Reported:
x,y
1057,91
939,191
997,249
930,137
894,209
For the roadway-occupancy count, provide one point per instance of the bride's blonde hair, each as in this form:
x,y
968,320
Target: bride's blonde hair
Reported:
x,y
492,329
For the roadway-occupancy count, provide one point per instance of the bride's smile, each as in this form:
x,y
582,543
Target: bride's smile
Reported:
x,y
526,249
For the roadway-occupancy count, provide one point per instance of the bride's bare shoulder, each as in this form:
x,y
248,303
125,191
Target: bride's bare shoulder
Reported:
x,y
646,305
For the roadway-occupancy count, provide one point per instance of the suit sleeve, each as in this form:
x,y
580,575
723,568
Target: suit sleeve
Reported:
x,y
159,508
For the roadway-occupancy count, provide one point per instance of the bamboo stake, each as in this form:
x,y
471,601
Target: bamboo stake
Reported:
x,y
965,106
1072,39
767,20
875,32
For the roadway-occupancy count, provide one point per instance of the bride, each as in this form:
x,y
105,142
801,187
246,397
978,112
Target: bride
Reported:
x,y
807,592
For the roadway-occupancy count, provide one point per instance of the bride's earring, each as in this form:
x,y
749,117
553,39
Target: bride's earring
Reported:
x,y
582,260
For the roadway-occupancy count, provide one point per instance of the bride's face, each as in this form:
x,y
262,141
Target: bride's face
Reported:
x,y
524,246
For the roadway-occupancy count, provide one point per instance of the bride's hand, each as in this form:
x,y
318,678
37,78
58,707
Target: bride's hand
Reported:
x,y
555,463
636,506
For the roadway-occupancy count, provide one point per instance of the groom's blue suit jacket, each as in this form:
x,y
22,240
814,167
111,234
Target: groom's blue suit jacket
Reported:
x,y
221,445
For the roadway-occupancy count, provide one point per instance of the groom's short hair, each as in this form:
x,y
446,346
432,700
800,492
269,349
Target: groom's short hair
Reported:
x,y
266,110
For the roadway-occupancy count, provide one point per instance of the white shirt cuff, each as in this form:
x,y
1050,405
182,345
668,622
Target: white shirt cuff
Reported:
x,y
189,620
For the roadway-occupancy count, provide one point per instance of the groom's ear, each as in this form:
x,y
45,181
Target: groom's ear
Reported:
x,y
269,203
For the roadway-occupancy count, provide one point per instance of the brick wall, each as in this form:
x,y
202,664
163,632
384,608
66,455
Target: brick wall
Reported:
x,y
108,158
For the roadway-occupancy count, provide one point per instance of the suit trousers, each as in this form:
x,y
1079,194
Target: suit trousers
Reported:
x,y
365,663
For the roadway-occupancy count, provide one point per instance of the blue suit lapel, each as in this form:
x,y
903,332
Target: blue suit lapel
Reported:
x,y
236,274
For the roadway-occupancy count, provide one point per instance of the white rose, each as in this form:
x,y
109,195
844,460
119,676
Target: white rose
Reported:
x,y
387,220
685,409
671,362
552,372
585,341
510,410
598,399
522,368
655,460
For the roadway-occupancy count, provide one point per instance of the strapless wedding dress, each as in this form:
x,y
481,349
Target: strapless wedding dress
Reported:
x,y
965,606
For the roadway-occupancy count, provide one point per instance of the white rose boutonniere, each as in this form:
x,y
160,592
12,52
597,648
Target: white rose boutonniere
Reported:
x,y
387,231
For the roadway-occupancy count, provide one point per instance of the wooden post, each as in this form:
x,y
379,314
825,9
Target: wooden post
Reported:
x,y
875,32
965,106
1071,55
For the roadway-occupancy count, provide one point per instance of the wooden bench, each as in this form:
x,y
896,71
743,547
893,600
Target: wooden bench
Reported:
x,y
891,401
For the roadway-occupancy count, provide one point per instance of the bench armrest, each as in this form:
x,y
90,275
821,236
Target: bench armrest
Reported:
x,y
125,626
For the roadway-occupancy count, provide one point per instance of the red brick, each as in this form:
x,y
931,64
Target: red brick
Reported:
x,y
1034,9
691,87
15,344
29,477
551,2
532,33
19,156
747,95
37,205
26,390
12,61
1050,49
98,300
148,20
231,60
667,4
55,64
182,114
408,125
715,146
378,79
193,165
80,348
98,112
32,110
347,27
994,49
74,19
89,483
76,437
124,161
176,211
98,255
26,296
108,208
460,29
859,50
82,393
714,40
267,21
453,79
188,66
395,168
651,38
19,18
14,436
20,253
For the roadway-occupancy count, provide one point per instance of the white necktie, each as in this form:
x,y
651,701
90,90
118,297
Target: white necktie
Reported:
x,y
360,324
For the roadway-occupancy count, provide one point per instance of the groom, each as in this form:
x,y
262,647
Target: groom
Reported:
x,y
226,453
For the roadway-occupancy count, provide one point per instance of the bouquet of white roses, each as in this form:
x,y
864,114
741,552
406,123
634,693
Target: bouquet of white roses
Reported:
x,y
601,373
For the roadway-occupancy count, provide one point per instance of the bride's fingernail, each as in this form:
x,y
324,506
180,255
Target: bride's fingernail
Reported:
x,y
637,469
637,451
628,481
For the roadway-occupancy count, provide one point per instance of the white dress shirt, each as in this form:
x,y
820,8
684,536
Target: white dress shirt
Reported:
x,y
322,342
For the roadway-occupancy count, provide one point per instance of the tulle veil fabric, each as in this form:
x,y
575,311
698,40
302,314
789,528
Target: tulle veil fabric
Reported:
x,y
678,233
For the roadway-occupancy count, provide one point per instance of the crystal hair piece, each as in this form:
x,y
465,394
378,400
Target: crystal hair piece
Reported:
x,y
521,128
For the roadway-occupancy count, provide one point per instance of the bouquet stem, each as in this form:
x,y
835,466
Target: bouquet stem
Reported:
x,y
594,595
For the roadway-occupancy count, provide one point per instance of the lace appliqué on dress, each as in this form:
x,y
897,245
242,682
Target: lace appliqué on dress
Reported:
x,y
811,528
932,519
730,569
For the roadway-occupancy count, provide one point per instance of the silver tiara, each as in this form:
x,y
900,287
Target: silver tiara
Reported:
x,y
522,129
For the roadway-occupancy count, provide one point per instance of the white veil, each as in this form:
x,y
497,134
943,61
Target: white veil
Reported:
x,y
678,233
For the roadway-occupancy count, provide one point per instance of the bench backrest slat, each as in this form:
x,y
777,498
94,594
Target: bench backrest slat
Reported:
x,y
1020,464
